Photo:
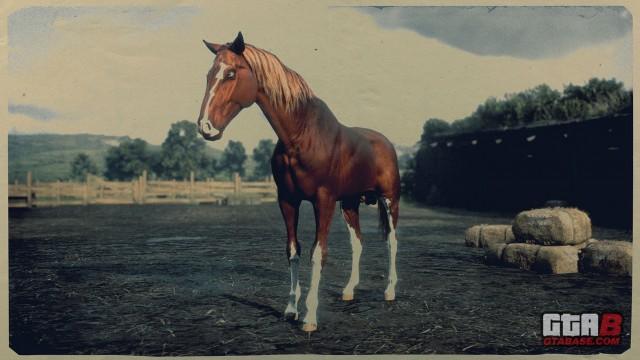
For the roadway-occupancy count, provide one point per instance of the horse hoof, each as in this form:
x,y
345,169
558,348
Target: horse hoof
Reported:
x,y
291,316
309,327
389,297
347,297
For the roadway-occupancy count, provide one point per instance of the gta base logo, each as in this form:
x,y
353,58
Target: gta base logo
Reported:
x,y
587,329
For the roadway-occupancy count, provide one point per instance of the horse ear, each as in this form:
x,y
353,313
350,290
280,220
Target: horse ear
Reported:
x,y
238,44
211,46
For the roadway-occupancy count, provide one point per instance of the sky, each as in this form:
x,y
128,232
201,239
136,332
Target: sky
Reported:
x,y
132,70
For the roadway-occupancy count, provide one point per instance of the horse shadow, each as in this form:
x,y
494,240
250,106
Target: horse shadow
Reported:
x,y
266,310
366,301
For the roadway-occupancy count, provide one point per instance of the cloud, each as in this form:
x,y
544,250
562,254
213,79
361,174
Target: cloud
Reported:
x,y
108,74
522,32
32,30
32,111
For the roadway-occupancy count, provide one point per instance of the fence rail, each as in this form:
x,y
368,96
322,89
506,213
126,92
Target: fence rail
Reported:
x,y
96,190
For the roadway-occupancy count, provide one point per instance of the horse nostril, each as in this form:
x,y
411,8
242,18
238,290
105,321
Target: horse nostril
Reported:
x,y
202,125
206,128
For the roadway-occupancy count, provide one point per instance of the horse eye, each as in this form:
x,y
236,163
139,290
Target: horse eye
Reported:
x,y
231,74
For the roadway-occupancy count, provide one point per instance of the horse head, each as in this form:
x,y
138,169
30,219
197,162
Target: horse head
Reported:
x,y
231,86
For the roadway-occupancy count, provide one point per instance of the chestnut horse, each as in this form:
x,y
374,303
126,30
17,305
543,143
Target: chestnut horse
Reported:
x,y
316,159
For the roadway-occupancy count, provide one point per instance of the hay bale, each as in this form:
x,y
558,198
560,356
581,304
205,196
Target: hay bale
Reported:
x,y
583,245
483,235
472,236
552,226
556,260
607,257
493,253
496,234
519,255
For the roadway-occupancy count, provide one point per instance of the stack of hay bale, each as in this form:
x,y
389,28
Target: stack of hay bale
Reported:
x,y
485,235
551,240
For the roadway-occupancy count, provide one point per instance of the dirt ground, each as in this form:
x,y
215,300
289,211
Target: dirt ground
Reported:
x,y
209,280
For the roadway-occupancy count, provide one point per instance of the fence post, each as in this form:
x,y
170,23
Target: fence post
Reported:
x,y
85,192
192,177
58,185
138,189
134,185
29,198
143,186
237,183
174,189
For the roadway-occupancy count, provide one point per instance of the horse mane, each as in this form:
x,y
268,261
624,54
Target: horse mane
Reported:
x,y
285,88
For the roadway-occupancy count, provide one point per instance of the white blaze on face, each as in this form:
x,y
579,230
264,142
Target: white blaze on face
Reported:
x,y
212,92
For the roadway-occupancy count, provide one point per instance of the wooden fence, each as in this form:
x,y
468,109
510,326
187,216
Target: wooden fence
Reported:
x,y
140,191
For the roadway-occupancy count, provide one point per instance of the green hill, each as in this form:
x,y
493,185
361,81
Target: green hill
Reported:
x,y
49,156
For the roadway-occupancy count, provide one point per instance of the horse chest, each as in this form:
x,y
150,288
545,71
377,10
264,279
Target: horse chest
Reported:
x,y
298,173
306,175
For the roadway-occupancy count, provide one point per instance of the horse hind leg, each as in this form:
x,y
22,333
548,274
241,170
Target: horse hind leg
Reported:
x,y
388,218
351,217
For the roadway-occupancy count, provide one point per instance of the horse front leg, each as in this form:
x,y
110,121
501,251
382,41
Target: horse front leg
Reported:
x,y
323,209
290,210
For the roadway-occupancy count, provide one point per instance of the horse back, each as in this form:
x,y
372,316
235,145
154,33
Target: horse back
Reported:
x,y
376,164
350,161
383,151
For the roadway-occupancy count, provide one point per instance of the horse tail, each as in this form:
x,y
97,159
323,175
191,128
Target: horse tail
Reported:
x,y
383,218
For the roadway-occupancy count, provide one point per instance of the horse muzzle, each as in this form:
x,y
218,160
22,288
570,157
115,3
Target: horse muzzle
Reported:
x,y
208,131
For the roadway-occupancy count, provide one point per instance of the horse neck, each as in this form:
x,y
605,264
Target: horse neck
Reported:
x,y
312,119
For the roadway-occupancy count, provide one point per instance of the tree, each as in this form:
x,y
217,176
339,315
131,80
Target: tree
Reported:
x,y
545,100
467,124
262,156
127,160
433,127
407,178
233,158
598,97
183,151
209,167
81,166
